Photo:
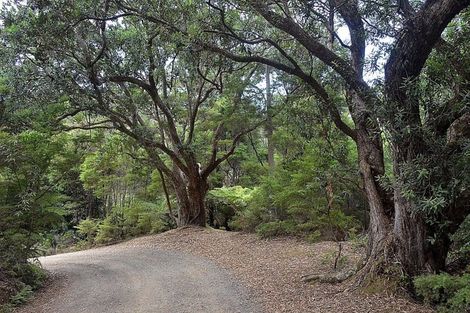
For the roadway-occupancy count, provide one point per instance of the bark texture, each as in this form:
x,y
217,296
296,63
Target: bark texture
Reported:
x,y
420,35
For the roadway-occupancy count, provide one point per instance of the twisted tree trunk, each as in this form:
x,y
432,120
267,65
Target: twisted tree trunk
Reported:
x,y
420,35
190,193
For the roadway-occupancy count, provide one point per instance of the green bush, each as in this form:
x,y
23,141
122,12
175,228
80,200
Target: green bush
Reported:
x,y
225,203
460,302
144,217
451,294
236,195
27,277
111,229
88,228
33,275
158,226
249,219
149,223
273,229
144,223
295,194
22,296
140,218
461,241
313,237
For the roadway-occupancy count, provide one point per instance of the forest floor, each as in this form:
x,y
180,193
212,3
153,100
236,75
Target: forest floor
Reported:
x,y
266,271
272,270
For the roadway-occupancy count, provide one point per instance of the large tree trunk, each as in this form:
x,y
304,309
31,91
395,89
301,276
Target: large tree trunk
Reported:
x,y
190,194
397,232
371,165
409,234
415,253
408,242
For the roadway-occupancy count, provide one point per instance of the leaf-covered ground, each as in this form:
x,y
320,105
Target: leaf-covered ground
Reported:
x,y
271,269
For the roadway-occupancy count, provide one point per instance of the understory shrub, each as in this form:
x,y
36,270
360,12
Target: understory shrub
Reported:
x,y
460,253
301,197
314,236
274,229
451,294
22,281
312,225
124,222
22,296
150,223
88,228
32,274
225,203
111,229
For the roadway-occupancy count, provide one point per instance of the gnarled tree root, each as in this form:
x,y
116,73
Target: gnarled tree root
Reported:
x,y
331,278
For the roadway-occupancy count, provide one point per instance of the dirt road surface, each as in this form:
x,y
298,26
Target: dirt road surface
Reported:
x,y
123,279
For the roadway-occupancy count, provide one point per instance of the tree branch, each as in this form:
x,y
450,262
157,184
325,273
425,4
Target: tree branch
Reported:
x,y
327,56
320,92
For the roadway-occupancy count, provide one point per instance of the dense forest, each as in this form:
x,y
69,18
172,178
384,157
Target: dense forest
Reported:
x,y
324,120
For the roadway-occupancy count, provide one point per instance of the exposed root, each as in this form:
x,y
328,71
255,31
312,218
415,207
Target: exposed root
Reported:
x,y
381,270
331,278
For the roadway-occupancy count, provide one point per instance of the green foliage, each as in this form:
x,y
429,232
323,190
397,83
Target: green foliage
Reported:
x,y
88,228
30,204
293,199
274,229
111,229
461,241
252,215
109,170
237,195
314,236
144,217
58,242
104,184
460,302
22,296
32,275
150,223
450,293
29,277
139,218
225,202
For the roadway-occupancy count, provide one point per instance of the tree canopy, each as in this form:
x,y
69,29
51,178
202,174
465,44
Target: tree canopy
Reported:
x,y
318,119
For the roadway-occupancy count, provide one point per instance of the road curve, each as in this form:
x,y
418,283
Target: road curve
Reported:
x,y
122,279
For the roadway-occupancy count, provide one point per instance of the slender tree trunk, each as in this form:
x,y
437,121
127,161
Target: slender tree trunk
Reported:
x,y
2,109
269,122
167,195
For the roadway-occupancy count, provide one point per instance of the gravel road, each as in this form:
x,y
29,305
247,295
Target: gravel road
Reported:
x,y
123,279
